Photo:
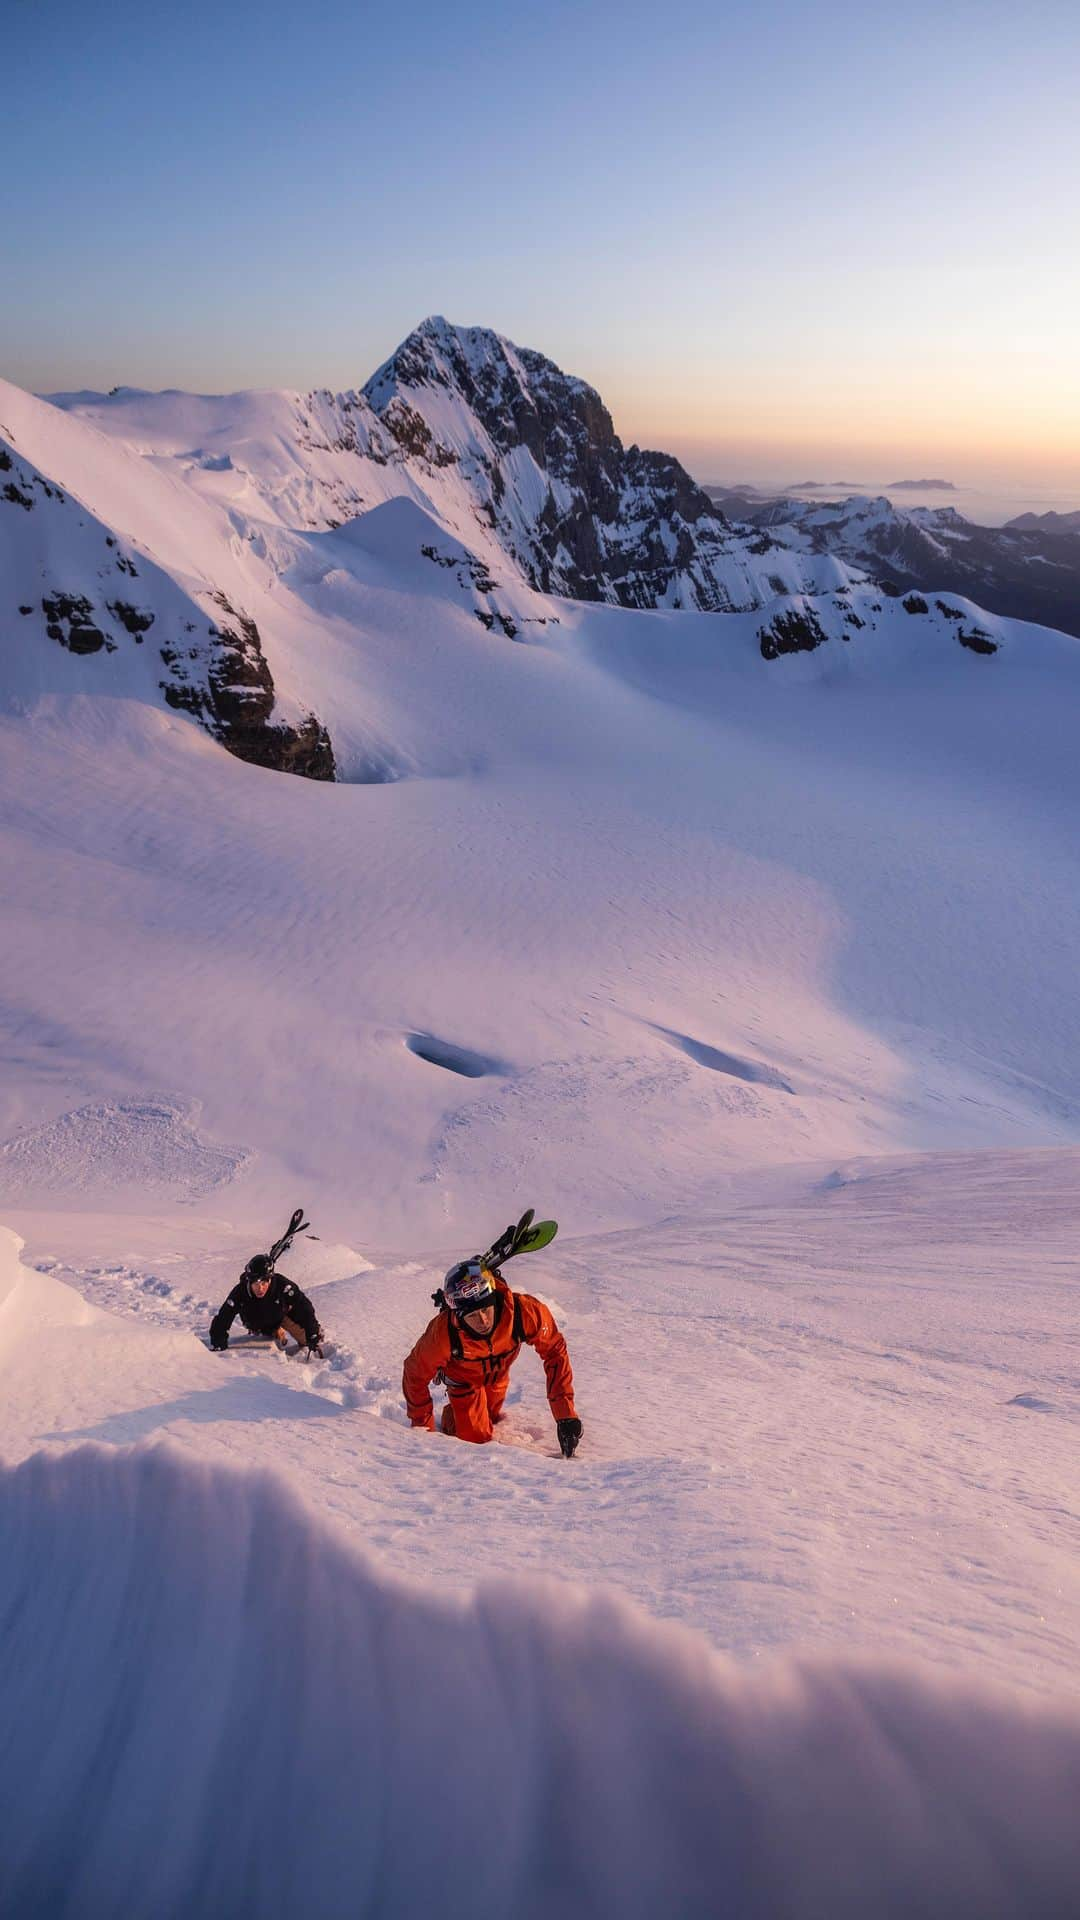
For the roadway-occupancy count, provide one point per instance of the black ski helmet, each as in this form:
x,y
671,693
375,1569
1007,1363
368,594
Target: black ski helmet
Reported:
x,y
259,1267
469,1286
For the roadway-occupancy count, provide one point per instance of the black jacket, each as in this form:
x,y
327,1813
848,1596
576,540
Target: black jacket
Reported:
x,y
283,1300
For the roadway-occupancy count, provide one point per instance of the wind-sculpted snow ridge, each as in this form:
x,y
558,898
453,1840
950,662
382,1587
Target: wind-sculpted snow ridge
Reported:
x,y
213,1706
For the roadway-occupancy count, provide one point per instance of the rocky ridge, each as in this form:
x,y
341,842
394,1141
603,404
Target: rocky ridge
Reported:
x,y
518,460
1025,571
581,514
83,587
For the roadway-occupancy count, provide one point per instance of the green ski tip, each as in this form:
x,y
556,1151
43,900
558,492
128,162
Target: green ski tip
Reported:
x,y
535,1237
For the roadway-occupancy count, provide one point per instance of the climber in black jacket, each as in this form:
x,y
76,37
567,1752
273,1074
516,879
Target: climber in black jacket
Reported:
x,y
269,1303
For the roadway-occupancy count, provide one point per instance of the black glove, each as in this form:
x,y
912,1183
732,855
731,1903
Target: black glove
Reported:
x,y
569,1432
219,1339
314,1343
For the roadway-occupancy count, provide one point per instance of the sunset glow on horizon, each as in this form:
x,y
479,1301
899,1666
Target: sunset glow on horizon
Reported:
x,y
799,238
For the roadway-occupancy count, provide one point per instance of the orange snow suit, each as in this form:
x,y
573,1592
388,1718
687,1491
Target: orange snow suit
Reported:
x,y
476,1367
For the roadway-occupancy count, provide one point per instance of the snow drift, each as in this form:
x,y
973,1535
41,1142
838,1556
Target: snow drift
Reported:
x,y
214,1706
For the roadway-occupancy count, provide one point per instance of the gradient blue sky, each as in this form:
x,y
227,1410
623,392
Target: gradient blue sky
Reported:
x,y
836,235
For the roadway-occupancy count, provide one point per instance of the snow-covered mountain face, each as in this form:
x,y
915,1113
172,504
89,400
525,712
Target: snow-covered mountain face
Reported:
x,y
1028,570
77,585
232,558
582,514
516,459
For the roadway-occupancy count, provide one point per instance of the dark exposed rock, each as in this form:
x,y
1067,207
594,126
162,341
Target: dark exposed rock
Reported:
x,y
305,750
914,603
233,699
67,620
26,609
793,631
241,687
16,496
951,613
413,434
134,619
469,569
5,460
976,640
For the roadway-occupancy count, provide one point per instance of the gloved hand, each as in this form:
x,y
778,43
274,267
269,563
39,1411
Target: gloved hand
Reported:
x,y
314,1344
218,1340
569,1432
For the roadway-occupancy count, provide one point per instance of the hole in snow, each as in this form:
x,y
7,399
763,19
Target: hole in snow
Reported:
x,y
753,1070
440,1053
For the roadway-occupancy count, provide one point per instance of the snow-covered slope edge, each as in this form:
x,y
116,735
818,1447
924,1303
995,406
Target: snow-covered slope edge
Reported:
x,y
165,1621
107,560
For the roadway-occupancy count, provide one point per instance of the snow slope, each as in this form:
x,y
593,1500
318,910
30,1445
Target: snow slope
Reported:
x,y
742,942
199,1604
689,914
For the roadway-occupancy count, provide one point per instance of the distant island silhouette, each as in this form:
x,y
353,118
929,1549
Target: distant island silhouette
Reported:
x,y
862,486
751,490
826,486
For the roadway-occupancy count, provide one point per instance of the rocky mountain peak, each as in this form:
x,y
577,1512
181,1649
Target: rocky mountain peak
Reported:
x,y
579,512
517,396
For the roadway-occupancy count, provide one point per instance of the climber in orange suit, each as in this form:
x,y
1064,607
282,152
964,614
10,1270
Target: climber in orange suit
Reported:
x,y
472,1344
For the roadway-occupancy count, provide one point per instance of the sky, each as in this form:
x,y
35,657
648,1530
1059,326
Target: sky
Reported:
x,y
779,238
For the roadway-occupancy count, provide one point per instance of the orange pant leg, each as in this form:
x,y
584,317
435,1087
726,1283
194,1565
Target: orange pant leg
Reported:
x,y
469,1411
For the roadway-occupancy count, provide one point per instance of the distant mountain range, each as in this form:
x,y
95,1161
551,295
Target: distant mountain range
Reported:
x,y
1027,570
1067,523
199,551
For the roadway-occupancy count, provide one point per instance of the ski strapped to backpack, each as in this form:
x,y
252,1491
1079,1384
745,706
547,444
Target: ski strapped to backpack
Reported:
x,y
523,1238
296,1225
